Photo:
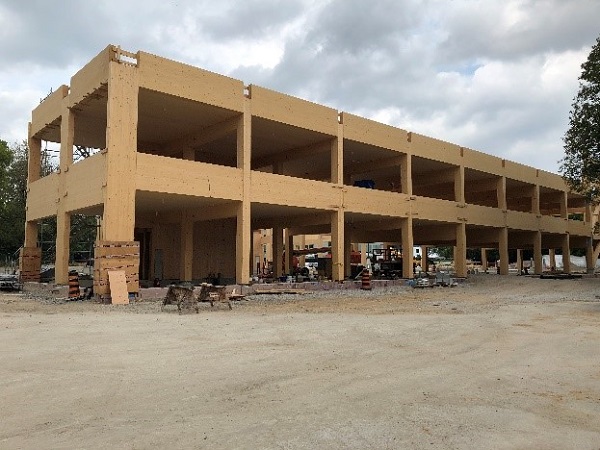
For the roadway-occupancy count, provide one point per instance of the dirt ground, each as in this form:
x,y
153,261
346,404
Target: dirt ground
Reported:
x,y
499,362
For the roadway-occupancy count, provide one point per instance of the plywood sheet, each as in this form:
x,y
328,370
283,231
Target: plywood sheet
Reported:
x,y
118,287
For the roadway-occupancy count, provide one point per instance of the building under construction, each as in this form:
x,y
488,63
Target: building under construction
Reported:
x,y
189,163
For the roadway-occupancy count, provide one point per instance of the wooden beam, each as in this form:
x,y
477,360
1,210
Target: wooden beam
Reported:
x,y
484,185
202,137
215,212
317,218
434,177
292,154
374,165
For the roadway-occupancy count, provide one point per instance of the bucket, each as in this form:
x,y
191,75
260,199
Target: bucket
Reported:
x,y
365,280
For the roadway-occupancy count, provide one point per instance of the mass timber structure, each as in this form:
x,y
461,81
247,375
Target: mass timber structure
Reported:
x,y
190,163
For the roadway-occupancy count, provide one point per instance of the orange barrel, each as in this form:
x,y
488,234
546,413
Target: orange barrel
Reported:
x,y
73,284
365,280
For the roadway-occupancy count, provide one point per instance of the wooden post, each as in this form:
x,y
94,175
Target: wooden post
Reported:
x,y
337,157
277,245
187,247
503,249
31,227
406,174
590,264
520,260
347,255
535,200
363,254
424,260
289,251
501,193
337,245
564,211
537,252
552,257
459,186
186,251
484,262
406,229
243,245
460,250
63,218
566,253
337,217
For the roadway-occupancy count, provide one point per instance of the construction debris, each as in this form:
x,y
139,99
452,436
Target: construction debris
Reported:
x,y
184,297
442,279
10,283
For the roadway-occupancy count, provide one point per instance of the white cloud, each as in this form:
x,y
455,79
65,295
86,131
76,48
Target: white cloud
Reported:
x,y
497,76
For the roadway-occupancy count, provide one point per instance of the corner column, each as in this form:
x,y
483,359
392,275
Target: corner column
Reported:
x,y
121,150
34,163
117,250
30,261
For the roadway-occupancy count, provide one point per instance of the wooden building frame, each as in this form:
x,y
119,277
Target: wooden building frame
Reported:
x,y
190,162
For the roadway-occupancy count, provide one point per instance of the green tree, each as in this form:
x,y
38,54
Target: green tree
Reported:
x,y
13,199
581,165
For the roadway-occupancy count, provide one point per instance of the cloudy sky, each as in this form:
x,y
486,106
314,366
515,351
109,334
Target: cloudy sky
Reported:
x,y
494,75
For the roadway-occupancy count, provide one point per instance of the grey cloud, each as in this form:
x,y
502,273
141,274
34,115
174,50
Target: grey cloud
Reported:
x,y
353,54
481,30
415,57
251,19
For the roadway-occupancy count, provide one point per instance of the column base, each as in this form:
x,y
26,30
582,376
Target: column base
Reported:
x,y
30,264
113,256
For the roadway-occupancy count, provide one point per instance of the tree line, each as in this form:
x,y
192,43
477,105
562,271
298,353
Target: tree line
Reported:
x,y
13,200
